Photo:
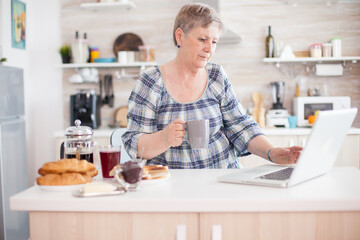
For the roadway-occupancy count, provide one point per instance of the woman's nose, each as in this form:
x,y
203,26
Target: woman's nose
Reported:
x,y
209,47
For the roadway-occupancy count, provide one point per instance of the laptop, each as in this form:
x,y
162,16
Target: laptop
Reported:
x,y
316,159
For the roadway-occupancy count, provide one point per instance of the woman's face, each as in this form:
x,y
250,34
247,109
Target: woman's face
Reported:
x,y
199,44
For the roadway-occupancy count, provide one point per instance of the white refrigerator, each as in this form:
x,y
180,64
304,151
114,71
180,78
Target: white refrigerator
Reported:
x,y
14,225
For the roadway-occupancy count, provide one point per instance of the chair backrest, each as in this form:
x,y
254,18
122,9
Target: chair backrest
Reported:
x,y
115,140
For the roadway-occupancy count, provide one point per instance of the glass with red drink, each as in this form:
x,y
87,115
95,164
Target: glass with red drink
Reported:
x,y
109,158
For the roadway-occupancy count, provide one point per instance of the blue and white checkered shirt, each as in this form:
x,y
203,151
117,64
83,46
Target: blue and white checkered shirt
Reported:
x,y
151,109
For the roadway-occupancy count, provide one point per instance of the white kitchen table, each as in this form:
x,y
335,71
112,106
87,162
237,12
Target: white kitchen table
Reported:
x,y
192,203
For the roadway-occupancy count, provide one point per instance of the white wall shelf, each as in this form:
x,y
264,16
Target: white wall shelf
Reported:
x,y
105,5
109,65
293,67
118,74
312,60
122,5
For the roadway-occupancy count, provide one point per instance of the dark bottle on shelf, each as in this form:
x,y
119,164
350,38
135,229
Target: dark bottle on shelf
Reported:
x,y
270,43
85,37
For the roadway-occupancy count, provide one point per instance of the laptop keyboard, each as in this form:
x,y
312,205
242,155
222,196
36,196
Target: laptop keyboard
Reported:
x,y
282,174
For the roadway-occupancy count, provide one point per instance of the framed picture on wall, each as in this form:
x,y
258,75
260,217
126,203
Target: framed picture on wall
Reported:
x,y
18,23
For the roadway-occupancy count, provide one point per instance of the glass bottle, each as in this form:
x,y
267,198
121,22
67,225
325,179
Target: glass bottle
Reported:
x,y
270,44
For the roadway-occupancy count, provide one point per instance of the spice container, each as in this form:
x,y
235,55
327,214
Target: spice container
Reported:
x,y
94,53
147,53
336,47
326,49
315,50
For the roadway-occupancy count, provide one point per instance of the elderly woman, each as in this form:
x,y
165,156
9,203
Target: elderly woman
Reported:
x,y
187,88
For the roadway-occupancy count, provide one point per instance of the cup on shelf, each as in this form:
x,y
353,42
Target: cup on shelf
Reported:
x,y
122,57
292,121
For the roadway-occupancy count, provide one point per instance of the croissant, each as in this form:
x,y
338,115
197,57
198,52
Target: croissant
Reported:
x,y
64,179
66,166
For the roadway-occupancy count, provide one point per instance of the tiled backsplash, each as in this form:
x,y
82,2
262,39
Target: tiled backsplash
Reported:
x,y
297,26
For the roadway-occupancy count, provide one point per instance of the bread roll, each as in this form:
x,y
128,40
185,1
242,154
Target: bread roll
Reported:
x,y
64,179
155,172
66,166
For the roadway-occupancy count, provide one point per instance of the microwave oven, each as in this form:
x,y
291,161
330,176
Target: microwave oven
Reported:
x,y
307,106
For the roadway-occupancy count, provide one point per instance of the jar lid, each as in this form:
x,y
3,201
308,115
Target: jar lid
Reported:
x,y
335,38
143,47
94,48
327,44
315,45
78,130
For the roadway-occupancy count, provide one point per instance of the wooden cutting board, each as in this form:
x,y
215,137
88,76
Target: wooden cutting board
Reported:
x,y
120,116
127,42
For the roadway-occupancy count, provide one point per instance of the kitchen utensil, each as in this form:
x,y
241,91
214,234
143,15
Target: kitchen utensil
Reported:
x,y
127,42
277,116
109,91
120,116
78,143
258,113
278,92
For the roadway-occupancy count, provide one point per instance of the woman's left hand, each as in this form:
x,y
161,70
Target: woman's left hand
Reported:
x,y
287,155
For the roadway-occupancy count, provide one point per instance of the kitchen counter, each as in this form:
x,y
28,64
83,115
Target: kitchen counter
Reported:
x,y
192,204
106,132
199,191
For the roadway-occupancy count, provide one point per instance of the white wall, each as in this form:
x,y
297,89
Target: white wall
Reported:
x,y
43,87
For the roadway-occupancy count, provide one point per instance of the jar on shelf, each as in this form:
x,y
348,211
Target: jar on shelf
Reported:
x,y
336,47
315,50
326,49
147,53
94,53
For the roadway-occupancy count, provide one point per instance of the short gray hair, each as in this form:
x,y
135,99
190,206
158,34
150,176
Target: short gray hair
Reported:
x,y
194,15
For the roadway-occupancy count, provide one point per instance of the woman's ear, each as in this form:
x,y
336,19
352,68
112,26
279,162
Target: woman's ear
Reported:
x,y
179,36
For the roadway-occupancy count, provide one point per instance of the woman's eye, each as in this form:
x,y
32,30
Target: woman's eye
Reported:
x,y
202,39
214,42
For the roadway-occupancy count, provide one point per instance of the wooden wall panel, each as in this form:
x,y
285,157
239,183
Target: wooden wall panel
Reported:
x,y
297,26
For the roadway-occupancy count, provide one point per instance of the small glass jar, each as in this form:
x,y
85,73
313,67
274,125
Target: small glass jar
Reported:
x,y
315,50
147,53
326,49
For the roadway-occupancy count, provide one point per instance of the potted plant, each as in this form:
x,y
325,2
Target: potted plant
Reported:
x,y
65,53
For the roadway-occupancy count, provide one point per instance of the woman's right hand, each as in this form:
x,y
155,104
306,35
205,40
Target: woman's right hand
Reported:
x,y
174,133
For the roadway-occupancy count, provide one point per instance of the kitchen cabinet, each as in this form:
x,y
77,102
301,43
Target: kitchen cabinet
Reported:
x,y
349,154
109,226
272,225
193,226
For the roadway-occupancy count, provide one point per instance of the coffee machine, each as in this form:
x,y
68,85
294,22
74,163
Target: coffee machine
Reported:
x,y
85,105
277,116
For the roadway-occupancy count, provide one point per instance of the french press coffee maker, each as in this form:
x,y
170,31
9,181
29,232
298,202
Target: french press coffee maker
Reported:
x,y
79,143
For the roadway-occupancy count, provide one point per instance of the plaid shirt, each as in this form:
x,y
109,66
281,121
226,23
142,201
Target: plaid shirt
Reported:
x,y
151,109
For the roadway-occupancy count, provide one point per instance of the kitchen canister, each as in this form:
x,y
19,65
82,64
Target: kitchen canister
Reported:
x,y
315,50
326,49
336,47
